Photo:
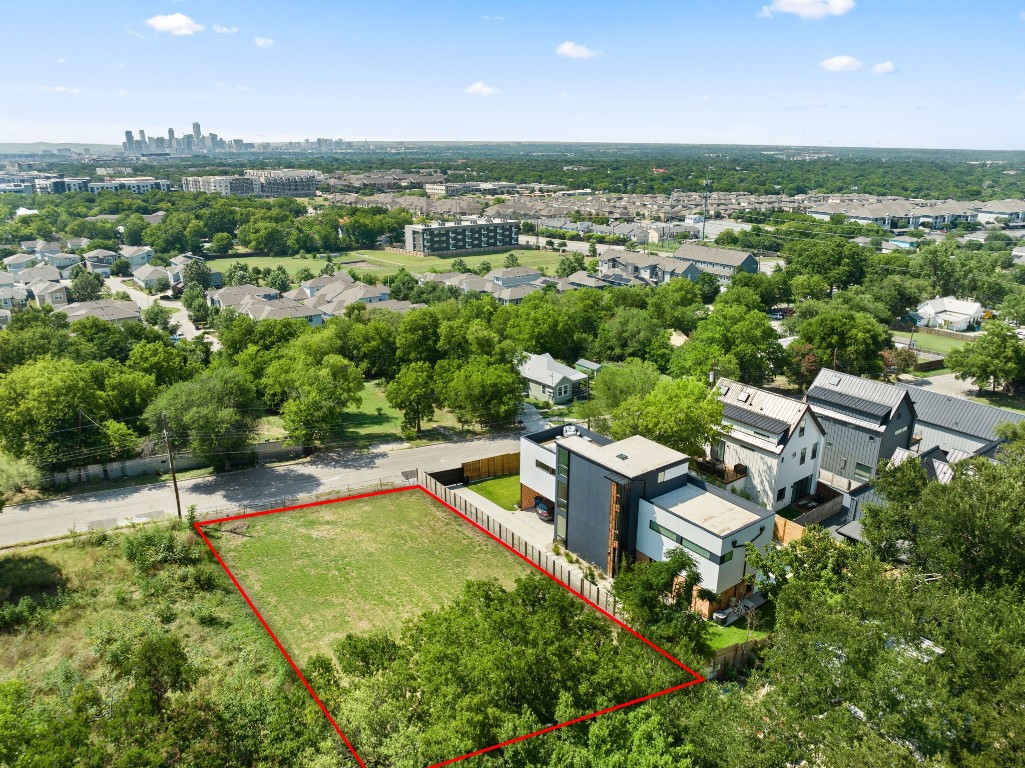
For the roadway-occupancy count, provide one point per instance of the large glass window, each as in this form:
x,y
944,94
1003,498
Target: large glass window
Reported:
x,y
862,472
544,467
685,543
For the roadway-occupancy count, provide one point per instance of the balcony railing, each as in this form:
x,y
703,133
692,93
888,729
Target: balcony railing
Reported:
x,y
719,471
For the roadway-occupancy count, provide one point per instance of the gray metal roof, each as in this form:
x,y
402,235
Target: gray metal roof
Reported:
x,y
756,420
958,414
872,398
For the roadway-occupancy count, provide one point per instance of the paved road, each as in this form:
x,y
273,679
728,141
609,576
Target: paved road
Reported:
x,y
333,471
948,384
143,299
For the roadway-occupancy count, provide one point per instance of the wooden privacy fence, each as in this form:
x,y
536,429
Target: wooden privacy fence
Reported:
x,y
784,531
492,466
547,562
735,655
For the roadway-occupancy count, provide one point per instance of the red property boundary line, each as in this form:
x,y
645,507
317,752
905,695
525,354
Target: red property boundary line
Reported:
x,y
697,678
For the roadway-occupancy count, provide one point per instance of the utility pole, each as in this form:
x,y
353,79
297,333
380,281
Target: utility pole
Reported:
x,y
174,475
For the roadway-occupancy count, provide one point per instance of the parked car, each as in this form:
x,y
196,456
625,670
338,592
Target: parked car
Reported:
x,y
1020,333
544,509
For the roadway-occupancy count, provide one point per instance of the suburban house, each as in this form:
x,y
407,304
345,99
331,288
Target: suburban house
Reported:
x,y
151,278
20,261
954,423
176,271
514,295
633,500
136,255
651,268
949,313
46,292
108,310
100,256
1012,210
39,272
509,277
261,303
721,258
12,297
865,421
63,261
773,448
5,318
6,278
548,379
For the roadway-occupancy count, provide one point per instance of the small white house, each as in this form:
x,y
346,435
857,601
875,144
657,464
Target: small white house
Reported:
x,y
949,313
548,379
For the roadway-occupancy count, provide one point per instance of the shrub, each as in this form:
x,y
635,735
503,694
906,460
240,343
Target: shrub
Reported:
x,y
151,548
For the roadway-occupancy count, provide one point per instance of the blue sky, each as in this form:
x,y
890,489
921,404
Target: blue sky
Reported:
x,y
905,73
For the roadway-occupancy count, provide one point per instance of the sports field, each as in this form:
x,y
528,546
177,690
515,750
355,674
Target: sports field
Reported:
x,y
358,566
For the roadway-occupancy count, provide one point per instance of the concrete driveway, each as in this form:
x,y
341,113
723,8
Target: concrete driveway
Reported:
x,y
143,299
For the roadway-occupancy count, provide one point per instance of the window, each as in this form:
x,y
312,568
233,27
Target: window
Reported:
x,y
804,455
544,467
781,494
687,544
800,432
814,451
862,472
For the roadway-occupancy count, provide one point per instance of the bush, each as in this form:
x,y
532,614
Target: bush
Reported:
x,y
152,548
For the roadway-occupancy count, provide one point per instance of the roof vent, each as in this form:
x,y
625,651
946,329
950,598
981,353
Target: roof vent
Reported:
x,y
622,456
569,431
835,381
743,396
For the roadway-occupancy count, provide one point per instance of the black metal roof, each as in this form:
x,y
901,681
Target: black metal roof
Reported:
x,y
756,420
876,410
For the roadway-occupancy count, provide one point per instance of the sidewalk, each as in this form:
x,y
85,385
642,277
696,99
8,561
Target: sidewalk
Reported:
x,y
528,526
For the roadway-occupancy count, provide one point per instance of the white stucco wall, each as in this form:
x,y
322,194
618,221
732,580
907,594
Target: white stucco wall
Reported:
x,y
717,578
530,475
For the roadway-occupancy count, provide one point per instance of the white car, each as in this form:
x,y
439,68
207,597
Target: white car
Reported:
x,y
1020,333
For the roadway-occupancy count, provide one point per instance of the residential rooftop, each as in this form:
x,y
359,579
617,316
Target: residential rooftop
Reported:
x,y
707,510
632,457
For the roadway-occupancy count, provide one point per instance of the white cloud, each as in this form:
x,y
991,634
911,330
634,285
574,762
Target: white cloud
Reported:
x,y
225,30
480,89
133,33
884,68
576,51
808,9
840,64
493,18
176,24
59,89
263,42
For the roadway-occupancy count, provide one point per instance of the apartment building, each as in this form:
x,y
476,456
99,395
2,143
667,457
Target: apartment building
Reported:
x,y
448,239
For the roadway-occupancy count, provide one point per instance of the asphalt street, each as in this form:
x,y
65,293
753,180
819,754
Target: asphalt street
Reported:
x,y
337,471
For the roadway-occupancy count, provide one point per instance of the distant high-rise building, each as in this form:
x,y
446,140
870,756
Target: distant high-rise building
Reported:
x,y
170,136
129,142
197,134
142,136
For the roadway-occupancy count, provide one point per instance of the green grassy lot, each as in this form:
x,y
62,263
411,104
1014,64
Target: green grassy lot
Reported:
x,y
291,263
376,421
107,597
503,491
358,566
390,261
926,342
723,637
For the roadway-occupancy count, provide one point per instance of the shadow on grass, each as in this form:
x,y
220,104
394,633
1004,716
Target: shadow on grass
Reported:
x,y
29,576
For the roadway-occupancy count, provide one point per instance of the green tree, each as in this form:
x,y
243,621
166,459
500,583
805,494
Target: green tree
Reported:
x,y
570,263
417,337
996,358
708,287
483,392
734,341
215,415
86,286
855,339
196,274
682,413
279,280
194,302
221,243
159,316
239,274
316,398
677,304
412,392
511,260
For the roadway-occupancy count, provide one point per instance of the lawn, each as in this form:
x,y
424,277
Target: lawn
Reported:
x,y
376,421
1000,400
724,637
290,263
927,342
358,566
503,491
391,261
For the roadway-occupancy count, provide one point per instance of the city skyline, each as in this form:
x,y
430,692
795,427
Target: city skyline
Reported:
x,y
797,72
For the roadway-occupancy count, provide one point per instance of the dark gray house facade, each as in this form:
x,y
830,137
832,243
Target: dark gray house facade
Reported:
x,y
599,489
954,423
865,422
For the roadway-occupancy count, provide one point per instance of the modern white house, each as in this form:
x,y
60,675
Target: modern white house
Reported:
x,y
548,379
774,442
948,313
712,526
